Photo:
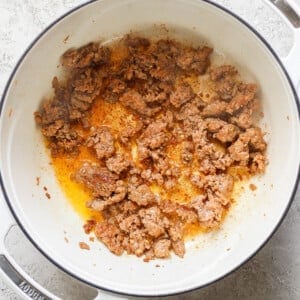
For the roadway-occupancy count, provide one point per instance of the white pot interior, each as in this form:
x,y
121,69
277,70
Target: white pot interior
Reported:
x,y
23,156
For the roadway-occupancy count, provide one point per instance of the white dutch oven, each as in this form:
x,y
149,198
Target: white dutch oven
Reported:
x,y
209,257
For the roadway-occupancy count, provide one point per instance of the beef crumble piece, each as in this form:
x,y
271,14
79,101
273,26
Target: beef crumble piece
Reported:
x,y
258,162
89,226
162,248
248,142
153,221
154,137
218,187
102,141
85,87
196,60
141,195
135,102
175,232
114,89
209,212
168,117
53,119
164,57
187,152
117,196
118,163
216,108
181,211
243,119
222,130
85,56
130,132
99,180
224,78
182,94
111,236
136,43
245,94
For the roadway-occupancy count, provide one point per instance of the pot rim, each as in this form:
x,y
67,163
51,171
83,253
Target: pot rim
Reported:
x,y
27,234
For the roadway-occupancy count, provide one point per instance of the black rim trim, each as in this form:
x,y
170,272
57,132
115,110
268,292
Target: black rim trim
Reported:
x,y
27,234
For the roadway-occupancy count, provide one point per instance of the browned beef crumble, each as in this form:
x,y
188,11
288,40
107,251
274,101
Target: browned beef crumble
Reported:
x,y
150,82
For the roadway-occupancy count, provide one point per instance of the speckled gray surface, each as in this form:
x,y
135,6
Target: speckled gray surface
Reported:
x,y
274,273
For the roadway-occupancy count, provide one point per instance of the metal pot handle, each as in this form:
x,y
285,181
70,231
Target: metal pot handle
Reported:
x,y
10,271
16,277
290,11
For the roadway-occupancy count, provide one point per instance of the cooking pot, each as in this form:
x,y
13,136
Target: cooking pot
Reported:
x,y
250,222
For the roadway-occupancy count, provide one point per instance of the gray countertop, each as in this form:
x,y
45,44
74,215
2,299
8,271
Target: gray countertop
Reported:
x,y
274,273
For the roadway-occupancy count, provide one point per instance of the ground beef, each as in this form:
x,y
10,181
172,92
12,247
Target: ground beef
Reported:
x,y
85,56
212,159
118,163
130,223
249,141
73,99
141,195
245,94
243,119
89,226
168,117
195,128
140,118
117,195
256,138
193,59
175,232
65,140
136,43
152,176
187,152
164,66
154,135
187,110
162,248
156,94
99,180
219,187
138,242
215,109
50,113
114,89
182,94
131,70
227,133
153,221
178,248
224,80
102,141
221,72
221,130
85,87
134,101
181,211
258,162
53,117
111,236
239,151
209,211
130,132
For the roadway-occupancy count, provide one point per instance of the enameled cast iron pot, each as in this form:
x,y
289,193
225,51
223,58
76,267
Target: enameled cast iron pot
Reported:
x,y
251,221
